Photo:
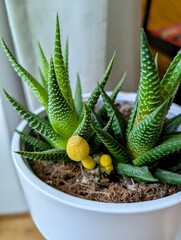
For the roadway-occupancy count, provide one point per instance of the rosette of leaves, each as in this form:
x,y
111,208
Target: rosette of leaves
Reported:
x,y
67,116
147,148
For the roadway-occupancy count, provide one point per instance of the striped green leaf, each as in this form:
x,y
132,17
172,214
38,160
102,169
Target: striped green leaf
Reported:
x,y
141,173
34,142
167,176
118,87
84,127
168,147
65,56
42,79
62,118
33,84
45,65
172,78
132,116
38,124
53,155
171,125
102,111
95,94
60,68
145,135
115,148
95,142
119,124
149,85
78,102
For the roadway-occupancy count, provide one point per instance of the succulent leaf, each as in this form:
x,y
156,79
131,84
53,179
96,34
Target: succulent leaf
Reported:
x,y
167,176
132,117
42,79
84,127
33,84
65,56
95,94
171,125
78,97
45,65
101,112
145,135
38,124
118,87
108,126
119,124
115,148
168,147
96,120
149,86
141,173
95,142
62,118
156,60
172,78
53,155
60,69
34,142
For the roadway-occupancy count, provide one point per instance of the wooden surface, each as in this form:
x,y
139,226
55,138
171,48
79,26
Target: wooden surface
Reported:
x,y
18,227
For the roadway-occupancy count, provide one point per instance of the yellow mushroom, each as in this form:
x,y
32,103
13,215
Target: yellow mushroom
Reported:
x,y
106,163
105,160
77,148
109,169
89,163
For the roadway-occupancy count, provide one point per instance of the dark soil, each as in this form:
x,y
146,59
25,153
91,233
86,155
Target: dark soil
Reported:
x,y
72,179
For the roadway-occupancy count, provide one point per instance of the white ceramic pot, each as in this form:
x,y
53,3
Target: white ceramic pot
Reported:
x,y
61,216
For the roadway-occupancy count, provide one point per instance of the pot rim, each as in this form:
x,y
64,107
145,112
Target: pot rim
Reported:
x,y
114,208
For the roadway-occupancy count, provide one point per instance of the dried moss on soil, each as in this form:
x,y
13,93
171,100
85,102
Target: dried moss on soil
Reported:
x,y
73,179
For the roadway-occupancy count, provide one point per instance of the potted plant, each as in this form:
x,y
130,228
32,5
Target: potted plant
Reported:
x,y
105,146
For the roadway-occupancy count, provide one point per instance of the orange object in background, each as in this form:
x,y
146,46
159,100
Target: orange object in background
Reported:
x,y
171,34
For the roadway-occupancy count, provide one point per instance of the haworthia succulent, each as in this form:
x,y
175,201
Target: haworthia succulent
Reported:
x,y
149,87
78,97
95,142
95,94
38,124
45,65
84,127
60,69
172,78
145,135
171,125
49,155
33,84
42,79
65,56
115,148
141,173
34,142
62,117
132,117
158,152
118,87
102,111
167,176
119,124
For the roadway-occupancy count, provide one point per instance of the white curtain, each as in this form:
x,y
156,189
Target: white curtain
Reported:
x,y
95,30
11,195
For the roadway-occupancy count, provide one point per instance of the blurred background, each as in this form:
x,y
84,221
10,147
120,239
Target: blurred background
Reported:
x,y
95,30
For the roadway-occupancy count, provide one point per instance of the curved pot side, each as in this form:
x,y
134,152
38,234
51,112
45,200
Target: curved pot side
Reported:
x,y
61,216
